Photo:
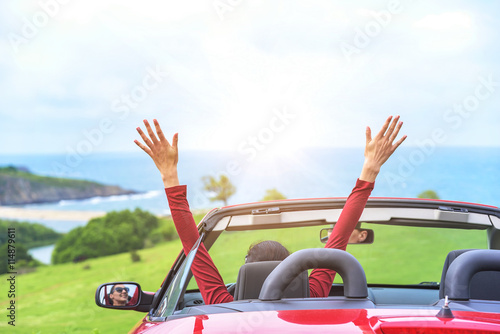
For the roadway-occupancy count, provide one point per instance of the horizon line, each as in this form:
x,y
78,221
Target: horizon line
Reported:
x,y
232,150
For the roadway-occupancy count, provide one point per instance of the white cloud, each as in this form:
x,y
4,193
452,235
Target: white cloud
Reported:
x,y
447,33
456,21
227,76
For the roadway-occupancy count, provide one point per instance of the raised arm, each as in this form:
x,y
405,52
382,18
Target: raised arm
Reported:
x,y
165,157
377,151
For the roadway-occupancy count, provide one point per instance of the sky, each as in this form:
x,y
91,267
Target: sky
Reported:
x,y
80,76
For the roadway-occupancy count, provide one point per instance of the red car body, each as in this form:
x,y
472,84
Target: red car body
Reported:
x,y
389,321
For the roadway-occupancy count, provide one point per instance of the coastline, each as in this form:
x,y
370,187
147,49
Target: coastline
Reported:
x,y
7,212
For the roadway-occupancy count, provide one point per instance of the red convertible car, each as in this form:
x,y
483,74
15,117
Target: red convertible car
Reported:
x,y
427,266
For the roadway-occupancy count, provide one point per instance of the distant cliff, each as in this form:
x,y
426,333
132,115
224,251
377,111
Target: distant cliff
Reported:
x,y
20,186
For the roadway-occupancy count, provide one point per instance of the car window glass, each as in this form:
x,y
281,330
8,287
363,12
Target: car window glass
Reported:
x,y
411,255
172,295
230,249
421,251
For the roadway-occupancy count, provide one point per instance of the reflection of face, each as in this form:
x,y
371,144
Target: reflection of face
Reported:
x,y
357,236
119,298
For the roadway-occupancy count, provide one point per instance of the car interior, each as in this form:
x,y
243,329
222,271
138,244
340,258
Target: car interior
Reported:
x,y
470,283
478,272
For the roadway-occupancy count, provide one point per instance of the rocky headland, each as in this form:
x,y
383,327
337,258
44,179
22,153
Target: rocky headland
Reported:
x,y
19,186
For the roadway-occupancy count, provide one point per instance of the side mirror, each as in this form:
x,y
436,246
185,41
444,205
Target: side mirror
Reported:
x,y
369,235
124,296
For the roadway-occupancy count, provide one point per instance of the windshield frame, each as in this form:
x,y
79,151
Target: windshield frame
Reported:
x,y
169,301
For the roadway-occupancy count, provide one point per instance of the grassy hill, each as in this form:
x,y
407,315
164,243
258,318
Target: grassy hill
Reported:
x,y
60,298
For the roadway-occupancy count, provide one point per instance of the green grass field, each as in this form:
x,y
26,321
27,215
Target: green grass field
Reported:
x,y
60,298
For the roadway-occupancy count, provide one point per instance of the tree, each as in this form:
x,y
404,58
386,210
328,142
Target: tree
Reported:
x,y
222,188
273,194
431,194
31,235
22,258
116,232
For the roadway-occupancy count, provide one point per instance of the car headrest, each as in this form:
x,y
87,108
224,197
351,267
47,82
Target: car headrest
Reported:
x,y
343,263
252,275
471,274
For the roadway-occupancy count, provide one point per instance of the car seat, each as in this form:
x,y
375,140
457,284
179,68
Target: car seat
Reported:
x,y
484,283
252,275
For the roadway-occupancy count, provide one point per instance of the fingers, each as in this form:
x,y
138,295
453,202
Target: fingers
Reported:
x,y
159,132
368,135
399,142
150,132
143,147
384,128
152,141
175,139
389,133
395,133
145,138
392,127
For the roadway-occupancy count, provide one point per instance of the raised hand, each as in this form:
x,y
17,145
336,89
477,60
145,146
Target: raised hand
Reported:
x,y
164,155
380,148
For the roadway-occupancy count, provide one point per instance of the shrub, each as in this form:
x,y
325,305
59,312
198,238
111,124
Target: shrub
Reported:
x,y
134,256
116,232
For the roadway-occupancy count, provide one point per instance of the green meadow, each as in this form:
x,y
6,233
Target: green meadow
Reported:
x,y
60,298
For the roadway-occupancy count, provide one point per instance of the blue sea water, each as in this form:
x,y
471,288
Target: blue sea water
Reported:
x,y
462,174
469,174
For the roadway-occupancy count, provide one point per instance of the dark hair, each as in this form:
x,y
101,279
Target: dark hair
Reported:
x,y
109,298
109,295
266,251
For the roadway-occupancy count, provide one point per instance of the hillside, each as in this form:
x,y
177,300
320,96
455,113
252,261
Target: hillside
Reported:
x,y
30,235
20,186
44,296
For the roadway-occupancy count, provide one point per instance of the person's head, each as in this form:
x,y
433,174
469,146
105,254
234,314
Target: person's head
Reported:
x,y
119,295
266,251
358,235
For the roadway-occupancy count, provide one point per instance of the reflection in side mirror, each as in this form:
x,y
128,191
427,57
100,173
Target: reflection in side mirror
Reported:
x,y
120,295
366,235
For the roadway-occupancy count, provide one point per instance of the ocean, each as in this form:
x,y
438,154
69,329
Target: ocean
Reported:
x,y
469,174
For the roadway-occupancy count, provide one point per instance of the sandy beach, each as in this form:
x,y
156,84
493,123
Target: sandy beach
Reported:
x,y
34,214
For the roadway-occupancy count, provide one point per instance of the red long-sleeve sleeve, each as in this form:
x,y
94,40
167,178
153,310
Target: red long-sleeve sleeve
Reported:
x,y
205,272
320,280
207,276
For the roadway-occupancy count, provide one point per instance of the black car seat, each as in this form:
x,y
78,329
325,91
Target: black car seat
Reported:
x,y
484,284
252,275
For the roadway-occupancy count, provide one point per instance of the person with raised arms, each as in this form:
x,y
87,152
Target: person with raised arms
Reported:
x,y
165,156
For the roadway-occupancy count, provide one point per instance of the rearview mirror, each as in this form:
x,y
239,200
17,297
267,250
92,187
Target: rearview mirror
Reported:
x,y
366,235
123,295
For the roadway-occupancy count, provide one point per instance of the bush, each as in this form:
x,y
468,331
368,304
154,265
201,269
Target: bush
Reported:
x,y
273,194
431,194
134,256
29,234
23,259
116,232
167,230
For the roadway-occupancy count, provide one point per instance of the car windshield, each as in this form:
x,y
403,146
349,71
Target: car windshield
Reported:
x,y
400,255
170,299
